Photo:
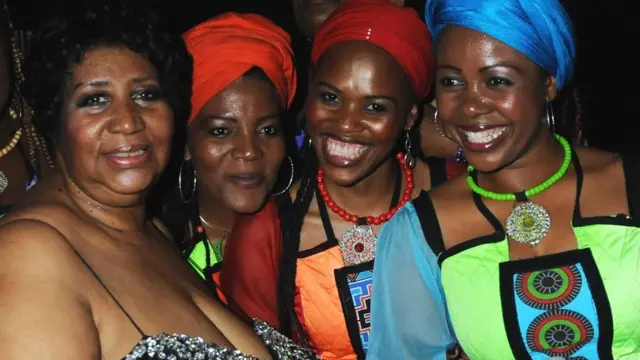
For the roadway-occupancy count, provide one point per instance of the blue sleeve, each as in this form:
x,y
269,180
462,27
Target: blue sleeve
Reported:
x,y
408,315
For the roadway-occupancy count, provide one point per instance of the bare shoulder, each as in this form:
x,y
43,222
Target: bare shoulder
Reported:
x,y
598,161
42,294
24,242
604,191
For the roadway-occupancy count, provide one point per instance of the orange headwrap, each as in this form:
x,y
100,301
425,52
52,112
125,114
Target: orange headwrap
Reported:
x,y
227,46
397,30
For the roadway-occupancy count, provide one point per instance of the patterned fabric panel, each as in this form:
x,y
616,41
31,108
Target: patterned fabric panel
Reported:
x,y
556,313
360,287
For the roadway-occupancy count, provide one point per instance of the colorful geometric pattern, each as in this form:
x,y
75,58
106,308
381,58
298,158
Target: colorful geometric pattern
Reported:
x,y
556,313
360,286
559,333
549,289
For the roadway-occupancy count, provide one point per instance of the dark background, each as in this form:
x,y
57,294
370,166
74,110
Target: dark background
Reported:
x,y
606,75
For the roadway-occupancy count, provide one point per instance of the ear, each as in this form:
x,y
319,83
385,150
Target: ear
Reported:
x,y
551,88
413,116
399,2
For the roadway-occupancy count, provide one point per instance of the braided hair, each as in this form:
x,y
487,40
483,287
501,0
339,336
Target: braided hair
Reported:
x,y
292,216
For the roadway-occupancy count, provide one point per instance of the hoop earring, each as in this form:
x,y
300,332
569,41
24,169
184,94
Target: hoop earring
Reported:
x,y
409,160
551,121
195,182
435,121
290,178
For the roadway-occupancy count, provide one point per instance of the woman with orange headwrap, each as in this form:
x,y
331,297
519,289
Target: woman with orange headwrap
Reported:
x,y
306,265
243,80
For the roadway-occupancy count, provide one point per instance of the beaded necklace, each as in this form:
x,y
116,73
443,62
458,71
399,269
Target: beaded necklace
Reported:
x,y
528,222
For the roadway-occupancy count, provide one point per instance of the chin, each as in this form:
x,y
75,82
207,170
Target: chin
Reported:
x,y
247,202
345,177
127,184
489,163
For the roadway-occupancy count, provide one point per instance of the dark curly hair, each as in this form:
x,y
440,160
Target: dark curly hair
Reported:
x,y
61,43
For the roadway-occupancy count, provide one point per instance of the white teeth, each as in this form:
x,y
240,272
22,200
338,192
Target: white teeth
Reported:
x,y
483,137
128,154
344,149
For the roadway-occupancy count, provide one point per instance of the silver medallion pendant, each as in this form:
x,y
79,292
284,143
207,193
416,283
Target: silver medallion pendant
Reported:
x,y
358,245
528,223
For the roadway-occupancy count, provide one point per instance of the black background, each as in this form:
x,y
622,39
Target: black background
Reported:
x,y
606,75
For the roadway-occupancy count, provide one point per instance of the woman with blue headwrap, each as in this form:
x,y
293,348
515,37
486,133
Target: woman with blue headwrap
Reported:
x,y
537,246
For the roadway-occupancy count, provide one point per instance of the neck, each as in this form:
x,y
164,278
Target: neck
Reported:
x,y
130,218
370,196
214,213
539,163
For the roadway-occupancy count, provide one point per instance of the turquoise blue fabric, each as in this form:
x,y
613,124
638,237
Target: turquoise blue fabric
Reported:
x,y
539,29
408,314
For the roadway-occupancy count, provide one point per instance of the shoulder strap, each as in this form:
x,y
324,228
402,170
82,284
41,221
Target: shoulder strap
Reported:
x,y
437,169
429,222
104,286
631,166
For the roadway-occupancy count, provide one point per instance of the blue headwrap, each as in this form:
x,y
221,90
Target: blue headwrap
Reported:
x,y
539,29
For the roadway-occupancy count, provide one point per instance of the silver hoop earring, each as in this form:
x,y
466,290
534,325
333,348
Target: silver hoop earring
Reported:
x,y
180,187
551,120
290,178
435,121
409,160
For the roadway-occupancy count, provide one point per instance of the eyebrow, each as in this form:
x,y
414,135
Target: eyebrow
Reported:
x,y
268,117
223,118
326,84
368,97
385,97
103,83
484,68
503,65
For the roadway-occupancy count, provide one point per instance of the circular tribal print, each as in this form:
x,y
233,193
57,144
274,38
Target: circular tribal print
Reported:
x,y
549,289
528,223
559,333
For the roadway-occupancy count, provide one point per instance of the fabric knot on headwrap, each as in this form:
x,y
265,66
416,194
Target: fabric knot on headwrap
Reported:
x,y
538,29
229,45
399,31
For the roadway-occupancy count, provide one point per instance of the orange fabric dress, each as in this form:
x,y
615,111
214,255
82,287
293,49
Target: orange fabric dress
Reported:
x,y
332,301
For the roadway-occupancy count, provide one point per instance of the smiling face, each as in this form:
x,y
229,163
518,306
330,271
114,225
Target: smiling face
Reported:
x,y
491,98
116,133
237,145
359,103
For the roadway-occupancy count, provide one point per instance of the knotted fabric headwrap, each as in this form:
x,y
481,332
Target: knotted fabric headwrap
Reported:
x,y
539,29
399,31
227,46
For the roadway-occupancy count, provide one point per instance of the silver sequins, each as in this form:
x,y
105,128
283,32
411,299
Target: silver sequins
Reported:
x,y
182,347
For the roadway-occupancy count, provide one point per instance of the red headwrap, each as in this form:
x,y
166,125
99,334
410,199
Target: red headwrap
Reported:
x,y
397,30
227,46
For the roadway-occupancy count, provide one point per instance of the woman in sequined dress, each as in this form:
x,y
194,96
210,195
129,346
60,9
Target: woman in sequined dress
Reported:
x,y
85,273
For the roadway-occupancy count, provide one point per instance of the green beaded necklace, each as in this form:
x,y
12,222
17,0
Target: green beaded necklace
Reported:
x,y
528,222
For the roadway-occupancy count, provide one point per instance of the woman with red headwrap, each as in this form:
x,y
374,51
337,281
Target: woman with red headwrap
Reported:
x,y
306,264
243,80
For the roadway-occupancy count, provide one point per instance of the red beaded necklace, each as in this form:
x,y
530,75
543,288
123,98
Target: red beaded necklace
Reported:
x,y
370,220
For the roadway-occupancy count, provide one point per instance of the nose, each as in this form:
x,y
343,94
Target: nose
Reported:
x,y
126,118
247,148
348,117
474,103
